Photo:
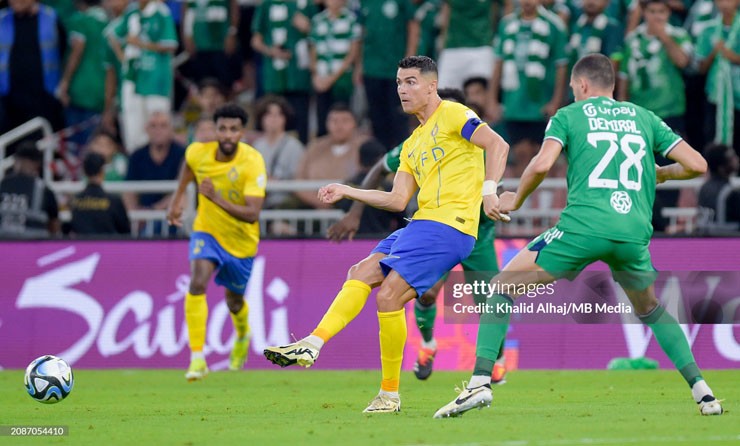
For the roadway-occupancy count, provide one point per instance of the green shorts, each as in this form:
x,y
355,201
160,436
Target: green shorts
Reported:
x,y
564,255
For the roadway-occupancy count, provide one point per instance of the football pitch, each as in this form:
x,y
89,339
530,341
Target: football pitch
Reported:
x,y
297,407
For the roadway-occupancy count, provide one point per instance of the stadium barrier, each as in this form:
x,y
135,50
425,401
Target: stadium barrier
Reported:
x,y
120,304
314,222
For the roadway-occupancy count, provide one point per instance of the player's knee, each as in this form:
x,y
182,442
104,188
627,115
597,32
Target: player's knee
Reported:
x,y
234,305
428,298
197,286
365,271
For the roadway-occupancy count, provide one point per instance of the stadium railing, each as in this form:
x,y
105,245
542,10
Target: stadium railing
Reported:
x,y
148,222
315,222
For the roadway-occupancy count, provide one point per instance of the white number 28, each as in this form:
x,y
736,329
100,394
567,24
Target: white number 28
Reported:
x,y
634,159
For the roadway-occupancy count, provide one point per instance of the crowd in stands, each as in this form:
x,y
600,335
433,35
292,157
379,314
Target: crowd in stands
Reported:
x,y
134,82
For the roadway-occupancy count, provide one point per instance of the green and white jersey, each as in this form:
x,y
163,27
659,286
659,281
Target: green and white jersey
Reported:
x,y
653,78
273,21
385,26
208,22
87,87
470,24
610,147
714,32
333,37
150,71
486,226
426,14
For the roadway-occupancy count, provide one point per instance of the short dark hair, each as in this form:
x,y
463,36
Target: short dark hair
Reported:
x,y
423,63
27,150
231,111
212,82
597,68
93,164
263,105
342,107
644,3
475,80
452,94
716,156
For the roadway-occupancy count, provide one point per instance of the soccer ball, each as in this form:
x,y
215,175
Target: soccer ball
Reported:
x,y
48,379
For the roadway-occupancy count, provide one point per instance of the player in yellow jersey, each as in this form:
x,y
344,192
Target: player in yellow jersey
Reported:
x,y
231,188
443,159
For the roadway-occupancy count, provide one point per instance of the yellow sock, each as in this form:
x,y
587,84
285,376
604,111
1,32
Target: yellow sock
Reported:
x,y
196,315
392,340
346,306
241,321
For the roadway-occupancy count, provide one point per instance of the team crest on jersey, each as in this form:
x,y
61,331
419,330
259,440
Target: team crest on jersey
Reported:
x,y
621,202
233,174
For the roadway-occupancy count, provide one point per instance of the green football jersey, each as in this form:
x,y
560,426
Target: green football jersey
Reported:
x,y
610,147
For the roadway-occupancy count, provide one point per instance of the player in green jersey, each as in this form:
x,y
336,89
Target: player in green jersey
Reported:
x,y
612,175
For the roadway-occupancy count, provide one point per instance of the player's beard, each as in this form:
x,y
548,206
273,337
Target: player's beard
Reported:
x,y
227,148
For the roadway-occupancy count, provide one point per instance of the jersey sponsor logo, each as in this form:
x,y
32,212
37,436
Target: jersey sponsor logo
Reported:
x,y
621,202
591,111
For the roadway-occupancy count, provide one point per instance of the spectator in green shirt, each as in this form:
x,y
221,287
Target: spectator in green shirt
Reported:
x,y
148,38
82,88
335,46
389,34
209,31
655,54
718,52
280,31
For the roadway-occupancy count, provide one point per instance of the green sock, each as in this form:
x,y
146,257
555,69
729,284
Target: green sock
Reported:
x,y
671,339
425,315
491,335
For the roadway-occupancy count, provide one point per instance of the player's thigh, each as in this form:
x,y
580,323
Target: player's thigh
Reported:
x,y
631,265
425,252
563,254
234,273
368,270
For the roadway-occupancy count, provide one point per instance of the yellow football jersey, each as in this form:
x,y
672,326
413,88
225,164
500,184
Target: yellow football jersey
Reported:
x,y
447,167
242,176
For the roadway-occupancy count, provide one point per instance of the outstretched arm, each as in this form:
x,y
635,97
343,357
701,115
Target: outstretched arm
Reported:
x,y
533,175
350,223
396,200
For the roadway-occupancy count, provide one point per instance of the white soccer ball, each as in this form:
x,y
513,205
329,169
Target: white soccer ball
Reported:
x,y
49,379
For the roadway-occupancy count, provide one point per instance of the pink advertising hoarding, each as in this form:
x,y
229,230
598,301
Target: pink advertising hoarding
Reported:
x,y
119,304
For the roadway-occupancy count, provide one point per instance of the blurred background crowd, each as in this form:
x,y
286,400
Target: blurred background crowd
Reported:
x,y
126,86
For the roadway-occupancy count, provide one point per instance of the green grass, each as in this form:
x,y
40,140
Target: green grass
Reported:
x,y
296,407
